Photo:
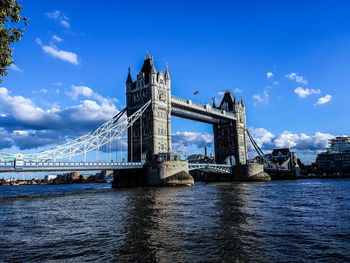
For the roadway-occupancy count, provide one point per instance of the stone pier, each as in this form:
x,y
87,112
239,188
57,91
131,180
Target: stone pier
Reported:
x,y
163,170
250,173
168,170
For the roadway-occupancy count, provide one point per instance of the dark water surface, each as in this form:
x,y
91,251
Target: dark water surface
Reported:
x,y
280,221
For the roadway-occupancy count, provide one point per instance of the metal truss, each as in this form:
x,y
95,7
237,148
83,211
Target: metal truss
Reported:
x,y
91,141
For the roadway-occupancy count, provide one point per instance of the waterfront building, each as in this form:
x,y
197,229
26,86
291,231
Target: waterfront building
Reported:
x,y
50,178
200,158
337,156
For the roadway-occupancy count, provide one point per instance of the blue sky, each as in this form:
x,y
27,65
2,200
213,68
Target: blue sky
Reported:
x,y
288,59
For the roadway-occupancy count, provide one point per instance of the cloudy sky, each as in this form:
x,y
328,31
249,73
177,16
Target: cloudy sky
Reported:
x,y
289,60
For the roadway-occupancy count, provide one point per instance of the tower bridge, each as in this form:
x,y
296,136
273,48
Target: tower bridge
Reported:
x,y
228,119
149,107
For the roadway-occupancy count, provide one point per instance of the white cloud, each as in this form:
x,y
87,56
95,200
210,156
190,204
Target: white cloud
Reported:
x,y
58,84
302,93
65,23
43,90
60,54
54,15
262,98
80,90
22,113
297,78
87,92
38,41
323,100
269,75
182,140
15,68
58,15
306,146
20,132
261,136
57,38
317,141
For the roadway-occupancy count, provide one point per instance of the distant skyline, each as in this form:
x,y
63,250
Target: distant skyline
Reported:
x,y
289,60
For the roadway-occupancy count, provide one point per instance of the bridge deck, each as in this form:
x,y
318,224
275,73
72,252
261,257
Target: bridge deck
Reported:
x,y
91,166
67,166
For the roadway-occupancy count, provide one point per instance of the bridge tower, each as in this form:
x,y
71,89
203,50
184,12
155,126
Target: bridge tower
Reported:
x,y
151,134
230,136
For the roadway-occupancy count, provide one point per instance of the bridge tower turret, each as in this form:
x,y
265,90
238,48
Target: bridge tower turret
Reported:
x,y
230,136
151,134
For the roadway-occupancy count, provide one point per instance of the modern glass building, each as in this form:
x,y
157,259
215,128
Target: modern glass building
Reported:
x,y
337,156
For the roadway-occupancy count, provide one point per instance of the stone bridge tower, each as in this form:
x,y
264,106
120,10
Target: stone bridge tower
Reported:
x,y
151,134
230,136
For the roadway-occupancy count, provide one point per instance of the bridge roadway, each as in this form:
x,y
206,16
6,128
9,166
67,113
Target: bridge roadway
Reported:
x,y
67,166
194,111
91,166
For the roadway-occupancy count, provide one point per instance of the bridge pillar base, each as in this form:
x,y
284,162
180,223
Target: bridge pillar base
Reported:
x,y
129,178
250,173
168,170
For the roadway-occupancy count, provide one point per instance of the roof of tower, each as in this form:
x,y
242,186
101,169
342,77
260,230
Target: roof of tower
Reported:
x,y
228,99
129,78
148,67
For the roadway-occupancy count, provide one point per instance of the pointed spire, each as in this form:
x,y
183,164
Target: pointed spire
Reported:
x,y
213,104
242,103
147,57
153,69
234,99
129,79
166,74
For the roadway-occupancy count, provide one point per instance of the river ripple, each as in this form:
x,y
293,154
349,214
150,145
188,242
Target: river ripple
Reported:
x,y
279,221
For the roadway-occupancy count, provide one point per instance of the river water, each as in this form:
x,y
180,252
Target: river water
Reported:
x,y
279,221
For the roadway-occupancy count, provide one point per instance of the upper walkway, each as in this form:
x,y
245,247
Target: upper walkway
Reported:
x,y
194,111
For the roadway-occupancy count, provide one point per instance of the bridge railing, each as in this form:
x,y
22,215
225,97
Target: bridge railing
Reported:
x,y
70,164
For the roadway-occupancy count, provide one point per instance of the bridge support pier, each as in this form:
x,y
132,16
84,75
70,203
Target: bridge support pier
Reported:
x,y
250,172
168,170
129,178
164,169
